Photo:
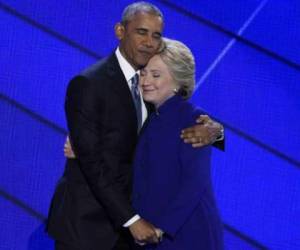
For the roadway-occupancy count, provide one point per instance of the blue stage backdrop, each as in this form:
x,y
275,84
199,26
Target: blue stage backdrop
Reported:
x,y
248,77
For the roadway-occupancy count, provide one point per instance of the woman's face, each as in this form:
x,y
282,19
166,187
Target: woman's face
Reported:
x,y
156,82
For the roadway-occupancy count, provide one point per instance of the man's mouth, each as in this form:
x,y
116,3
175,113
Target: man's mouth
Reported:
x,y
145,53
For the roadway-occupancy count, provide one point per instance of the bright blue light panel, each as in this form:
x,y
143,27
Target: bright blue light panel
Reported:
x,y
37,67
21,231
258,193
234,243
31,156
276,27
257,95
227,13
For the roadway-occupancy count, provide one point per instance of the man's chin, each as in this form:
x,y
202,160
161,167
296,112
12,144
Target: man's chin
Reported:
x,y
143,62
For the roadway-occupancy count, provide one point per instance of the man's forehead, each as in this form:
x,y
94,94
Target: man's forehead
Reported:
x,y
146,18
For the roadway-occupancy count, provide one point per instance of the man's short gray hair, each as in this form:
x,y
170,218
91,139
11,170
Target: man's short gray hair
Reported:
x,y
181,63
131,10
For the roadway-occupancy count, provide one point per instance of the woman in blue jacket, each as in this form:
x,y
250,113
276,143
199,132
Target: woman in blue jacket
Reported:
x,y
172,181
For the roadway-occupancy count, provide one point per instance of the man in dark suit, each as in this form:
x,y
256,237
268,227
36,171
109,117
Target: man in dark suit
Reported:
x,y
91,205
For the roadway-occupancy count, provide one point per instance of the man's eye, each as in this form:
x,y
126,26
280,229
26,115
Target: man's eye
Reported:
x,y
157,36
156,76
142,32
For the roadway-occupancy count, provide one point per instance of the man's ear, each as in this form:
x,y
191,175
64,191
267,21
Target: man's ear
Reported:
x,y
119,31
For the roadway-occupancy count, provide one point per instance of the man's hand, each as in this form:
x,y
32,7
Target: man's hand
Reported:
x,y
68,151
143,232
159,234
205,132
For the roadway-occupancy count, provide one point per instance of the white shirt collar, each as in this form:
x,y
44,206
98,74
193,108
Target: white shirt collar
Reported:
x,y
125,66
129,72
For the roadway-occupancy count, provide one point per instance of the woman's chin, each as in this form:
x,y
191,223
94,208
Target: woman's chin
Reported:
x,y
148,98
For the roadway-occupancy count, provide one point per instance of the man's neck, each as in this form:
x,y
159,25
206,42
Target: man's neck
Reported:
x,y
126,67
127,59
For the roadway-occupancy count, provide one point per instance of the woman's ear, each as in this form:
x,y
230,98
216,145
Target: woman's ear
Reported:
x,y
119,31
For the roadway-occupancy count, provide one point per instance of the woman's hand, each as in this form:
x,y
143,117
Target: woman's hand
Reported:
x,y
68,151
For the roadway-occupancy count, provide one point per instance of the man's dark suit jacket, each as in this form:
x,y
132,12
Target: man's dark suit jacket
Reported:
x,y
92,200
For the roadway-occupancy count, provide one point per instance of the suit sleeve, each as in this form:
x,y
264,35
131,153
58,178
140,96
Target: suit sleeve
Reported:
x,y
84,108
220,144
195,177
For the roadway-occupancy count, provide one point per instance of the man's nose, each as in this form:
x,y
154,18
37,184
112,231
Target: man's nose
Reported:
x,y
149,41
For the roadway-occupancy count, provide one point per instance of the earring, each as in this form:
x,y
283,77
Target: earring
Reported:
x,y
175,90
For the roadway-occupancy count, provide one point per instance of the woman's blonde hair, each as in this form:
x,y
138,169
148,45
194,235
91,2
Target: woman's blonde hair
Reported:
x,y
180,61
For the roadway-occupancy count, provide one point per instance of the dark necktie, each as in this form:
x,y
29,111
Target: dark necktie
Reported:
x,y
137,99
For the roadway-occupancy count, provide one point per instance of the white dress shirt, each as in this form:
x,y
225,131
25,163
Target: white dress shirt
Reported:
x,y
129,73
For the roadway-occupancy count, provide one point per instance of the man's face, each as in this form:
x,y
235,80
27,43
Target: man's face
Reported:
x,y
140,38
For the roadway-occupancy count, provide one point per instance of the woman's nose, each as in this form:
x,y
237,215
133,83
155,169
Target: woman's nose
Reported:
x,y
144,81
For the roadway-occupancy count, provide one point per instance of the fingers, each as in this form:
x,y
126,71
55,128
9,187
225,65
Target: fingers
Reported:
x,y
159,234
194,130
196,139
203,119
201,134
198,142
140,243
198,145
146,241
189,136
150,238
188,130
143,232
68,151
154,239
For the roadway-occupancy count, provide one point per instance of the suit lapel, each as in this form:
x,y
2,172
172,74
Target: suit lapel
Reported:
x,y
120,86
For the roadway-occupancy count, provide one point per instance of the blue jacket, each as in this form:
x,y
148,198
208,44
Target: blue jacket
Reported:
x,y
172,182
